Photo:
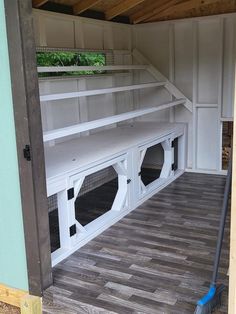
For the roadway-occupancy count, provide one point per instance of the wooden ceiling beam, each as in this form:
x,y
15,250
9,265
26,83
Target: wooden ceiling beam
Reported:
x,y
39,3
181,8
84,5
155,8
121,7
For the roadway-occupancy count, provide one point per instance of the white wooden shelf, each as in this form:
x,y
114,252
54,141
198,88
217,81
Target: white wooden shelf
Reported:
x,y
86,126
94,92
65,157
45,69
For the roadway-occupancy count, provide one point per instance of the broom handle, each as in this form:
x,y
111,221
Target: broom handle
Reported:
x,y
222,221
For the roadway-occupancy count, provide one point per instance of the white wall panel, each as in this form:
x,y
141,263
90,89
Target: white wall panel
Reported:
x,y
184,116
183,57
64,112
93,36
121,38
229,66
207,138
59,32
198,67
153,42
208,61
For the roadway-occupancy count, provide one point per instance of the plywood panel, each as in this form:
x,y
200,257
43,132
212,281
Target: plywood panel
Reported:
x,y
64,112
102,105
153,42
93,36
228,71
183,57
208,61
207,138
59,32
121,38
184,116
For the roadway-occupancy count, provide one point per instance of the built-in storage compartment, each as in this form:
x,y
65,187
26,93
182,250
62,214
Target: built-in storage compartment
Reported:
x,y
153,161
99,194
93,200
95,180
54,223
159,161
96,196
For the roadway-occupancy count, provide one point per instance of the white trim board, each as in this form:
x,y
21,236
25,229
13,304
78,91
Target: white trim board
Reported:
x,y
213,172
159,76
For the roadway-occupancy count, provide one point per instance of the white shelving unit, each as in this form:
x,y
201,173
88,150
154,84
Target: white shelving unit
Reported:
x,y
122,147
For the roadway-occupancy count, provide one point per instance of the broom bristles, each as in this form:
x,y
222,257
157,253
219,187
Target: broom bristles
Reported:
x,y
208,304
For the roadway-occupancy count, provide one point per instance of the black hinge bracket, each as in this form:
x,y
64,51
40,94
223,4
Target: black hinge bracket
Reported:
x,y
26,152
128,181
72,230
70,194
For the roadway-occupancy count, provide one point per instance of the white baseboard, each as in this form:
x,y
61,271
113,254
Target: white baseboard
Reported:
x,y
221,172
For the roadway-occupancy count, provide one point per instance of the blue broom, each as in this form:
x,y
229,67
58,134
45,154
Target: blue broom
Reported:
x,y
212,299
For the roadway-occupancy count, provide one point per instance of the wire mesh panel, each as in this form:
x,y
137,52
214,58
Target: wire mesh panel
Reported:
x,y
152,164
96,196
54,222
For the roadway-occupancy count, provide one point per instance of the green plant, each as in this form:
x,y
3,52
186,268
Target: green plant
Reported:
x,y
70,59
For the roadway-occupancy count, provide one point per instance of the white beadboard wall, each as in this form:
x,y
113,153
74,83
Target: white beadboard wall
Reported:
x,y
197,55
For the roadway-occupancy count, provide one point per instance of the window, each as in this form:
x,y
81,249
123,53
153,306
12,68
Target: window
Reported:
x,y
68,58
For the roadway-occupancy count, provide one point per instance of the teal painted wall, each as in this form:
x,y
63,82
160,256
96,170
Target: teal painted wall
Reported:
x,y
13,268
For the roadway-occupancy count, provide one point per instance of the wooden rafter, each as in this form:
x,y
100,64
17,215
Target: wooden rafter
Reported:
x,y
121,7
39,3
155,8
181,7
84,5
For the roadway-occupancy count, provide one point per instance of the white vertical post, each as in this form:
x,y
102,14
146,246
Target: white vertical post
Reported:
x,y
83,104
220,91
65,220
166,169
195,91
172,64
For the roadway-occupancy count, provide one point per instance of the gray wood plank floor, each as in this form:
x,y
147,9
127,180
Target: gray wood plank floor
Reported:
x,y
158,259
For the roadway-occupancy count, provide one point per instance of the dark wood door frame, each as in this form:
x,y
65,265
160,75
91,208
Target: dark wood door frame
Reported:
x,y
25,91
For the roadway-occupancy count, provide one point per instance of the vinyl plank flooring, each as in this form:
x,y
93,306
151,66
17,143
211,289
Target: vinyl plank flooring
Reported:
x,y
157,259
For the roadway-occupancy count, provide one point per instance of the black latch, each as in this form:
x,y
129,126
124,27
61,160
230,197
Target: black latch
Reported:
x,y
128,181
140,173
174,167
72,230
26,152
70,194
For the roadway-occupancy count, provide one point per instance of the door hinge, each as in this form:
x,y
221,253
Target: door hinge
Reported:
x,y
72,230
70,194
27,153
128,181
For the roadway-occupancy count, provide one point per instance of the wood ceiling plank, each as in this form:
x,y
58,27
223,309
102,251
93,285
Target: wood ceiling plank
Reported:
x,y
181,8
39,3
151,10
84,5
121,7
